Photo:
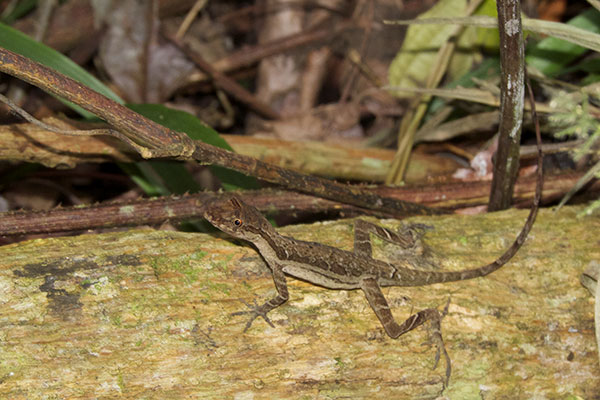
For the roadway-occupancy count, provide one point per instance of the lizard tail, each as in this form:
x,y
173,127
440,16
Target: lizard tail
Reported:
x,y
440,277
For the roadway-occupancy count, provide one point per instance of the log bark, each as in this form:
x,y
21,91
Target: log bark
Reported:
x,y
147,314
30,143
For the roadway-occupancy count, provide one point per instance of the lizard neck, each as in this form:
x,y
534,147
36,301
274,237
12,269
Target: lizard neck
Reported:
x,y
270,244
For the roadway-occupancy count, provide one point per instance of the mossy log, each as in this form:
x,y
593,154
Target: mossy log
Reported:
x,y
147,314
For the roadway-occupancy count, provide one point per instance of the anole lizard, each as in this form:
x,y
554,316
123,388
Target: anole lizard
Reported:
x,y
334,268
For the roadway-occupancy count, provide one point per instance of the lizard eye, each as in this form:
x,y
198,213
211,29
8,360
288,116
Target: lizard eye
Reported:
x,y
237,222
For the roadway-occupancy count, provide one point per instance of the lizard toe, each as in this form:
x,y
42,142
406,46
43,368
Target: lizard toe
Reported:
x,y
254,311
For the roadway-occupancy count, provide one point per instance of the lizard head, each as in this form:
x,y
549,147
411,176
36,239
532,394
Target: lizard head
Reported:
x,y
238,219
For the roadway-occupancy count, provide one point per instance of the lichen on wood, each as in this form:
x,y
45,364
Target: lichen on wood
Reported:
x,y
147,314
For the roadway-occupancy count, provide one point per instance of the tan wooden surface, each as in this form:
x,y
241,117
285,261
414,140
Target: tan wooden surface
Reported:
x,y
145,314
28,142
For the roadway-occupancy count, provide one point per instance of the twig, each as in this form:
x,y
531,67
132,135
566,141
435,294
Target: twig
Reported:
x,y
158,141
157,211
71,132
355,56
222,81
189,18
419,104
155,138
251,55
45,9
512,85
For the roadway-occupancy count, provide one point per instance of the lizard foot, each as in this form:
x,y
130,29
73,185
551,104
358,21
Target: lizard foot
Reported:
x,y
254,312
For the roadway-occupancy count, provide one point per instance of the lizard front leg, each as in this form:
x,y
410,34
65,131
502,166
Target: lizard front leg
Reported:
x,y
381,308
262,310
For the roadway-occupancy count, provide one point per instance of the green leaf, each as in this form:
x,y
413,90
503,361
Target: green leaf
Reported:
x,y
155,177
21,8
488,68
17,42
586,38
551,54
414,61
488,39
145,178
181,121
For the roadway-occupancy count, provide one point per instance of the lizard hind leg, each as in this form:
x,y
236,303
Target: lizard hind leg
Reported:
x,y
262,310
381,308
362,239
409,246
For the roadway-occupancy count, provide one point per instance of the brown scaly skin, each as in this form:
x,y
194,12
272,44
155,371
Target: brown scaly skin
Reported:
x,y
334,268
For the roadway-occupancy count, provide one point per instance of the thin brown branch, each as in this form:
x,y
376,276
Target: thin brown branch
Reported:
x,y
158,210
512,85
178,208
137,128
161,141
69,132
366,37
249,56
222,81
26,142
